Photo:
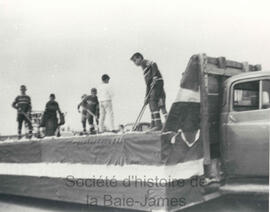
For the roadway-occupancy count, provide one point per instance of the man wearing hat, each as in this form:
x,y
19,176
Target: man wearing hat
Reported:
x,y
22,104
155,94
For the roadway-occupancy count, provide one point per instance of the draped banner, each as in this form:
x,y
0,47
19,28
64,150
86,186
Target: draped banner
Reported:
x,y
144,167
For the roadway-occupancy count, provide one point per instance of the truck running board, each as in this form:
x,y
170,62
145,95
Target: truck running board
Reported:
x,y
245,188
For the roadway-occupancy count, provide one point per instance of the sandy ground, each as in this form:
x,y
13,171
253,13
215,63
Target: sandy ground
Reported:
x,y
232,203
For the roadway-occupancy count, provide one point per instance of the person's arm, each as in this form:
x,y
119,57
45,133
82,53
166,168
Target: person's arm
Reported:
x,y
44,118
14,104
155,72
148,80
46,107
30,105
97,109
58,108
79,105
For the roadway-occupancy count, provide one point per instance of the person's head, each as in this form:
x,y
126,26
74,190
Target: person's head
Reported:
x,y
105,78
93,91
137,58
84,96
52,97
23,89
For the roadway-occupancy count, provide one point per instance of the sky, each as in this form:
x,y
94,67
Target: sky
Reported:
x,y
64,46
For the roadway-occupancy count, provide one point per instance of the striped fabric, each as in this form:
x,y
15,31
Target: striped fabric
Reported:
x,y
51,168
23,103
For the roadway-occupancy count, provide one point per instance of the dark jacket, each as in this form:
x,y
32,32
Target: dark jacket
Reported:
x,y
150,71
90,103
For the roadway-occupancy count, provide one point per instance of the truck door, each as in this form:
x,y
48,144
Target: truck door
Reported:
x,y
247,129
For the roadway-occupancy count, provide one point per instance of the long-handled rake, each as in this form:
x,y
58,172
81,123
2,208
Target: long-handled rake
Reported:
x,y
142,110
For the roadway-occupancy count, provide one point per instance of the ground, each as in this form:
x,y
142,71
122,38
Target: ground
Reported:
x,y
228,203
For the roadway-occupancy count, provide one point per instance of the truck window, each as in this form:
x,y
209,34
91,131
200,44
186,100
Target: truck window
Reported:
x,y
265,94
246,96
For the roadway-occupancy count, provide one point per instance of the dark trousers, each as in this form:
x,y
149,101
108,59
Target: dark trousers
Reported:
x,y
51,125
155,97
89,118
22,118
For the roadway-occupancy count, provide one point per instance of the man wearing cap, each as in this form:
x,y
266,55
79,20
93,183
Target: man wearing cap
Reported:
x,y
90,110
155,94
105,101
22,104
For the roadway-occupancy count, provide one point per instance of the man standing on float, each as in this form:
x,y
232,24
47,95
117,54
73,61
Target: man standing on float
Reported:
x,y
22,104
155,94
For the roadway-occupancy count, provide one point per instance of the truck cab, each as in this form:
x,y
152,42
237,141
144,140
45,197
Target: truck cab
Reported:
x,y
245,125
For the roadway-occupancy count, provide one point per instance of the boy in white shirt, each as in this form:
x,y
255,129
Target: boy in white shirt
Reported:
x,y
105,101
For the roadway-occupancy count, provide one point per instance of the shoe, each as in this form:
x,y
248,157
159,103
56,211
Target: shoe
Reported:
x,y
29,136
92,131
156,128
152,125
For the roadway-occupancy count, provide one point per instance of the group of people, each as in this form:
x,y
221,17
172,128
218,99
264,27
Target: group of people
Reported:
x,y
49,121
96,106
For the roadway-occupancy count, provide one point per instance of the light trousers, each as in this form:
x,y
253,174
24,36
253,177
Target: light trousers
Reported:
x,y
106,109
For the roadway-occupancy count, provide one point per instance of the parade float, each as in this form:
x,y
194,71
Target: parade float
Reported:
x,y
148,171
